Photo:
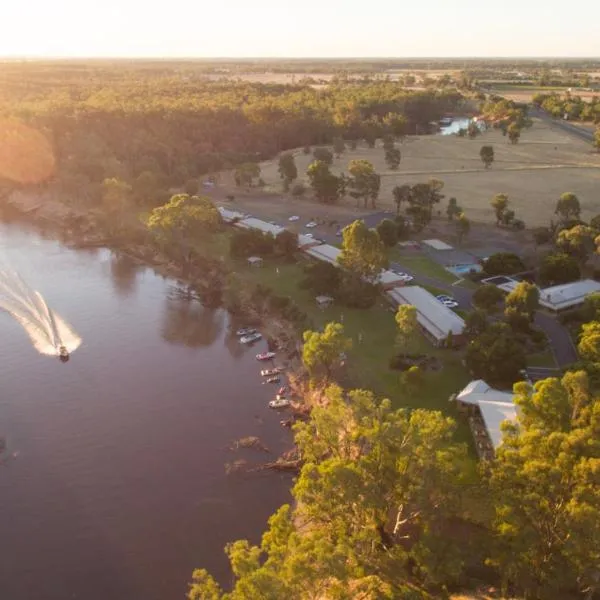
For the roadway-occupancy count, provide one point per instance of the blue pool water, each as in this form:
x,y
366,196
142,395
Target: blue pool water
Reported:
x,y
462,269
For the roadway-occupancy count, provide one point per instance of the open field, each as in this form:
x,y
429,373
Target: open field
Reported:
x,y
534,172
524,93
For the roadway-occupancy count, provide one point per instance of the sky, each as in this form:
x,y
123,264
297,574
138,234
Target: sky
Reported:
x,y
306,28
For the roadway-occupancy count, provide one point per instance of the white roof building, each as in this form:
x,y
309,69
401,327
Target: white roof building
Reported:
x,y
229,215
433,316
304,241
252,223
495,407
567,295
324,252
437,244
389,280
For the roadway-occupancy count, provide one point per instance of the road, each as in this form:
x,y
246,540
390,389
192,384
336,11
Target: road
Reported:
x,y
586,135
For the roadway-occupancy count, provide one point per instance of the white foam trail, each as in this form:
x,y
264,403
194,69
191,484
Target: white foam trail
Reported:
x,y
46,329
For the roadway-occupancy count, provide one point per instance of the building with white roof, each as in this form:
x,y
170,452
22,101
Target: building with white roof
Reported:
x,y
494,406
436,319
567,295
389,280
324,252
305,241
253,223
230,215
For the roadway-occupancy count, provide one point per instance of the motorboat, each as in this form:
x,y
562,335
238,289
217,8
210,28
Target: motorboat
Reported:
x,y
274,379
270,372
250,339
244,331
279,403
63,354
265,356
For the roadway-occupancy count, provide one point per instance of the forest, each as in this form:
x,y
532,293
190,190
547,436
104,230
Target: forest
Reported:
x,y
165,125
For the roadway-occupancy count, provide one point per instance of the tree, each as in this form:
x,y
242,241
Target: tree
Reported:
x,y
364,182
579,242
286,244
453,210
499,204
338,146
524,299
463,226
496,355
542,235
514,133
408,326
413,379
568,206
589,341
475,323
323,155
487,297
487,155
597,138
595,222
287,169
392,158
473,130
401,194
503,263
545,489
322,350
388,232
146,188
363,252
388,143
115,195
251,242
558,268
325,185
322,278
179,223
246,173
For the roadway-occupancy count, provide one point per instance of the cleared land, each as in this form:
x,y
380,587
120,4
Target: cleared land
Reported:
x,y
534,172
523,93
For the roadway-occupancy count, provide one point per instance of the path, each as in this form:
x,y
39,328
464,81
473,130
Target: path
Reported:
x,y
585,134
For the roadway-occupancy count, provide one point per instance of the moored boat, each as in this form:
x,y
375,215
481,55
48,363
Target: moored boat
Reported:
x,y
249,339
265,356
274,379
279,403
245,331
269,372
283,390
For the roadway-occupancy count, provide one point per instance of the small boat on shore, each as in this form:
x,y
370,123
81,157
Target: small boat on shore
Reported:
x,y
279,403
249,339
270,372
245,331
274,379
265,356
280,397
283,390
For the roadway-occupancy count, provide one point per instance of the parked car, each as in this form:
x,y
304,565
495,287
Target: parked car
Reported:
x,y
294,218
403,276
310,225
448,301
309,235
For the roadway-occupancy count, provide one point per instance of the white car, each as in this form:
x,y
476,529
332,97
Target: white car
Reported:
x,y
294,218
309,235
310,225
404,276
447,301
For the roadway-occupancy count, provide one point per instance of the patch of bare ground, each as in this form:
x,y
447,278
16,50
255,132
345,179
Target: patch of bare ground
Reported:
x,y
534,172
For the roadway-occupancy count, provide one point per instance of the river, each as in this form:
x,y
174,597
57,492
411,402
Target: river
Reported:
x,y
119,489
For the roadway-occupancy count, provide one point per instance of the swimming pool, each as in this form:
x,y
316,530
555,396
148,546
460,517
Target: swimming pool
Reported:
x,y
463,269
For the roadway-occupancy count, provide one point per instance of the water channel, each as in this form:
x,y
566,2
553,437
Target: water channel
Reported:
x,y
119,488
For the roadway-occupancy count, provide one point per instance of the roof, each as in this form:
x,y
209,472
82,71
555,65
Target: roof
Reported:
x,y
306,241
230,215
437,244
495,406
432,315
388,278
252,223
566,295
324,252
479,391
493,414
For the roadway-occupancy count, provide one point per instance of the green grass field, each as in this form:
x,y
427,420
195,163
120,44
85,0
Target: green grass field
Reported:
x,y
422,265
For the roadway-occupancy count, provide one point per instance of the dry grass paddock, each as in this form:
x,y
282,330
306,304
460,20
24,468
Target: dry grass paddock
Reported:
x,y
534,172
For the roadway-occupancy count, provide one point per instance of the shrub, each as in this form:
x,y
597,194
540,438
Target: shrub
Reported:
x,y
298,189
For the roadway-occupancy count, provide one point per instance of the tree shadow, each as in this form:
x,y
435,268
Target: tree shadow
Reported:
x,y
124,273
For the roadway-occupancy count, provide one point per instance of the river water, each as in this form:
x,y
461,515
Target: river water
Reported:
x,y
119,488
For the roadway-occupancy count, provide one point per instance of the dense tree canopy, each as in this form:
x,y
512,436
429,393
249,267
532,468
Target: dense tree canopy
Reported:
x,y
487,297
363,252
568,206
558,268
323,350
503,263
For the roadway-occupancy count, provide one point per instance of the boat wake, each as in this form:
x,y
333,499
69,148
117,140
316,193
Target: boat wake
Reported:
x,y
47,331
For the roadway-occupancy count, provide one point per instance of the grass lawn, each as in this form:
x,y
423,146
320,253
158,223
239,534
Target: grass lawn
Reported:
x,y
373,332
422,265
542,359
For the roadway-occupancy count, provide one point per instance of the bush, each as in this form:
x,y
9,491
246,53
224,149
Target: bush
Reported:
x,y
298,189
503,263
